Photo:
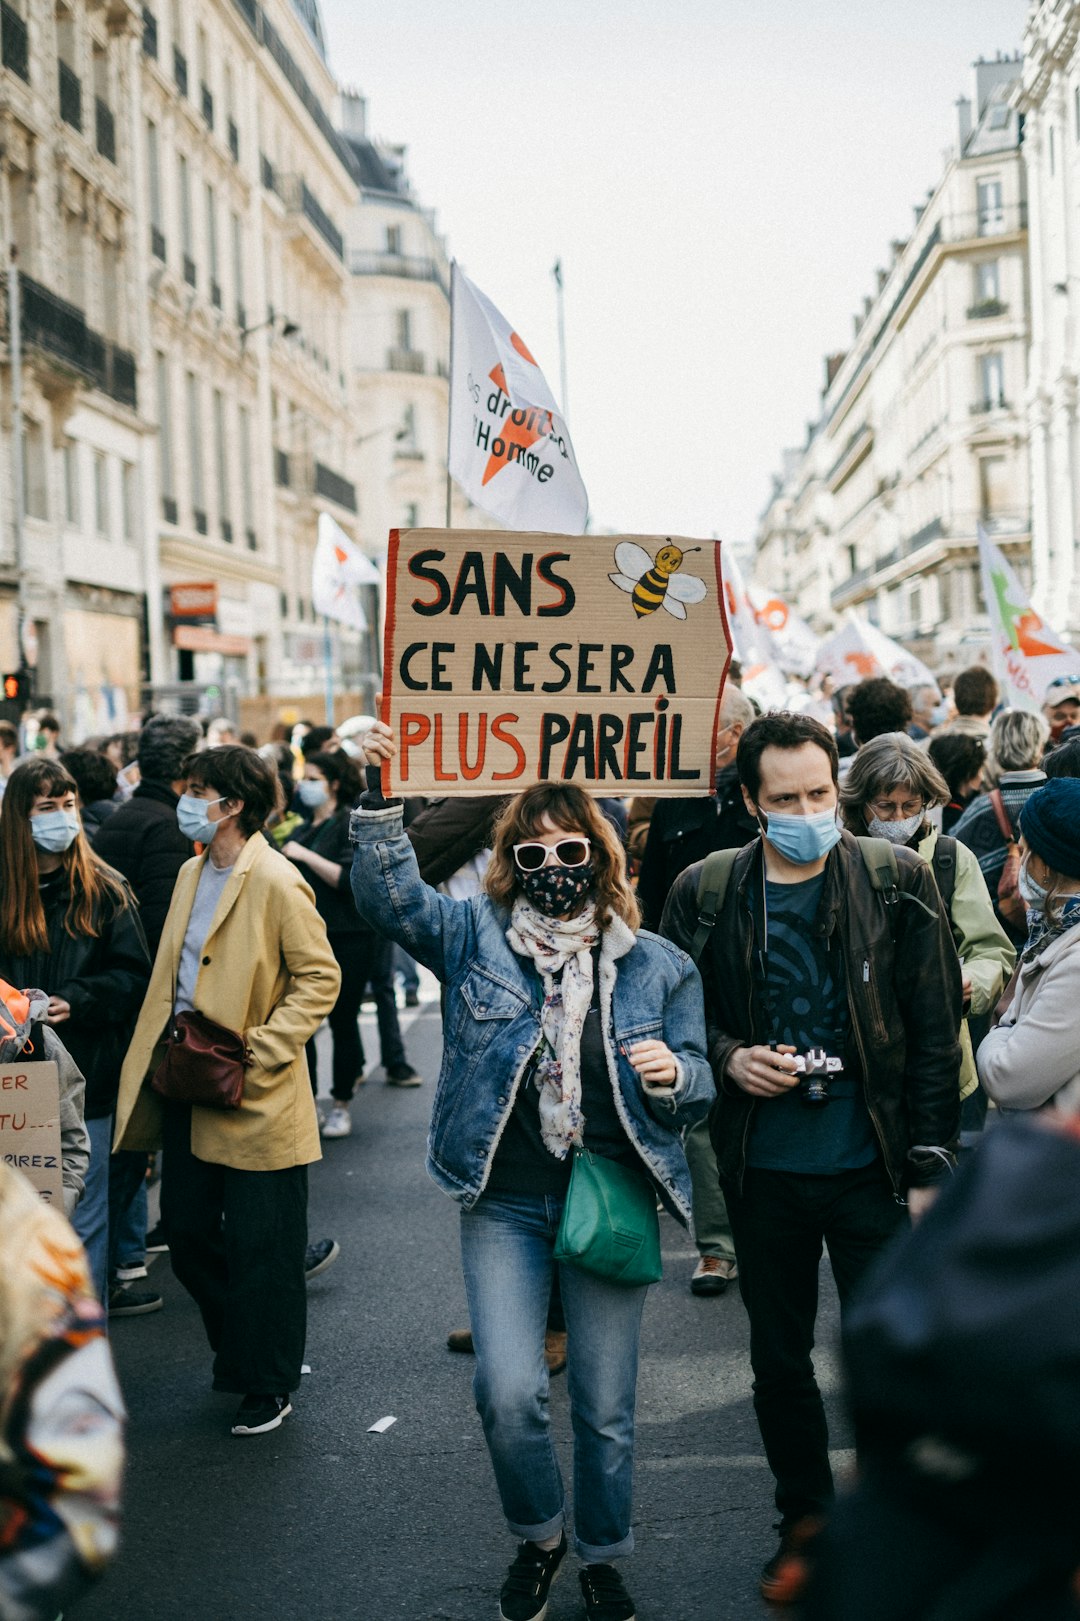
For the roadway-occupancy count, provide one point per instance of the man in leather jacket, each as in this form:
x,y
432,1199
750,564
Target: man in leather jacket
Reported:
x,y
807,953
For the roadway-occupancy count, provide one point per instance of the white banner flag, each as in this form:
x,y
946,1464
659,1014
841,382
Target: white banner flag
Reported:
x,y
339,567
753,645
794,644
509,449
860,650
1027,655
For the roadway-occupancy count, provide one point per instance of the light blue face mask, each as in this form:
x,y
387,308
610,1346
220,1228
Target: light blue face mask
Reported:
x,y
193,820
802,839
1031,893
55,831
312,793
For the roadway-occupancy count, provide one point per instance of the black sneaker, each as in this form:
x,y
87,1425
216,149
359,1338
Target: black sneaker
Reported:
x,y
128,1302
412,998
257,1414
524,1594
319,1256
156,1242
785,1577
605,1595
403,1075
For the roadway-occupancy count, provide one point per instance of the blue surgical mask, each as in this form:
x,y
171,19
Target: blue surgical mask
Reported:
x,y
939,714
1031,893
55,831
802,839
312,793
191,815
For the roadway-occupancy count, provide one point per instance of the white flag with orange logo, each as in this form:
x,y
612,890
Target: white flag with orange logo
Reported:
x,y
338,568
859,650
1027,655
509,448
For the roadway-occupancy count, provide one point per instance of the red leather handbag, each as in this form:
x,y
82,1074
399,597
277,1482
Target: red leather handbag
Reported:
x,y
204,1063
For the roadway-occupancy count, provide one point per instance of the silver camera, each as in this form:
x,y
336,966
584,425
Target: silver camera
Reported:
x,y
815,1067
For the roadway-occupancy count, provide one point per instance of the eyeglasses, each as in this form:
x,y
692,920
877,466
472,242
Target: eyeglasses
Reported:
x,y
884,808
1061,682
531,856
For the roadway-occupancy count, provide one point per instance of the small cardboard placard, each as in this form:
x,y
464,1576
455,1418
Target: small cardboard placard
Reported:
x,y
512,658
30,1126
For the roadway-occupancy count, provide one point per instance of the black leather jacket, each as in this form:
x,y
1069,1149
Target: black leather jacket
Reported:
x,y
904,994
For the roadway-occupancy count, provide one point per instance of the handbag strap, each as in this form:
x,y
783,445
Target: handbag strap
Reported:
x,y
1002,816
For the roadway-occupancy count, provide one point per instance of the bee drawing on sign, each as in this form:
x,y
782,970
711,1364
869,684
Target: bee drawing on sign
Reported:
x,y
656,582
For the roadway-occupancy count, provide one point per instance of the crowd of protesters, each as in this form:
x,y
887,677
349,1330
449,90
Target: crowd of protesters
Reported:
x,y
782,1010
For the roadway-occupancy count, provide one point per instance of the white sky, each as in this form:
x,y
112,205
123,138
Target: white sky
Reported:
x,y
720,179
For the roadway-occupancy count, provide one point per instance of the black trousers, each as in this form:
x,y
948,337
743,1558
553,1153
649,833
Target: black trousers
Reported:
x,y
779,1222
236,1243
355,954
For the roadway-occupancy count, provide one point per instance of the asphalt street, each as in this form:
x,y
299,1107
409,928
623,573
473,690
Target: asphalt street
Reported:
x,y
324,1521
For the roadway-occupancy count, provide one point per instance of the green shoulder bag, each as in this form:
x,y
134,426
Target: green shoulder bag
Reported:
x,y
609,1226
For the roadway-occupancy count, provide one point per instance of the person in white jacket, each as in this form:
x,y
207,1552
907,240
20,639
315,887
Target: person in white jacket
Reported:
x,y
1031,1059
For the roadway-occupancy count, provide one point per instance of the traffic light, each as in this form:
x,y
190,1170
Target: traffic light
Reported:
x,y
17,695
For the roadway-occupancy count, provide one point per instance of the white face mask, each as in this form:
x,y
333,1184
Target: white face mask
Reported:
x,y
896,832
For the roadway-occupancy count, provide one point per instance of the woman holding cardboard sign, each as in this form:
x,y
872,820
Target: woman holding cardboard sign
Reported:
x,y
573,1052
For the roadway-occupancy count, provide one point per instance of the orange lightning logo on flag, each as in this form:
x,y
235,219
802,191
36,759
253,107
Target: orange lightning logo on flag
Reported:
x,y
521,434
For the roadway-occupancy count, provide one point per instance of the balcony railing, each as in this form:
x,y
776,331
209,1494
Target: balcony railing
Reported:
x,y
70,96
363,262
984,407
14,42
207,104
405,360
986,308
300,199
58,329
960,531
149,33
234,141
179,68
157,243
334,487
105,129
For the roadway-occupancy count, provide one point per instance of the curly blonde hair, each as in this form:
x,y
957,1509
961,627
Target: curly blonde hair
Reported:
x,y
570,808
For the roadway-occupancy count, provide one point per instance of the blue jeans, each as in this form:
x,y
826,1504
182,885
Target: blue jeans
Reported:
x,y
91,1218
507,1247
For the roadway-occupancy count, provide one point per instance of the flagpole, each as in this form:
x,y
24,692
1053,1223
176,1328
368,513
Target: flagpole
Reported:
x,y
556,271
449,397
328,670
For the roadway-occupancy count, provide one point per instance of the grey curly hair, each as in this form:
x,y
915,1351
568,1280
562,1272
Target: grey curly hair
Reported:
x,y
890,761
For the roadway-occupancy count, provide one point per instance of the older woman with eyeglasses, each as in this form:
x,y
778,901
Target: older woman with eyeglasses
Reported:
x,y
565,1028
887,794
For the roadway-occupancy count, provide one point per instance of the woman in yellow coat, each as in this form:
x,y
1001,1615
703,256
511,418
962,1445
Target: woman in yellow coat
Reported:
x,y
244,945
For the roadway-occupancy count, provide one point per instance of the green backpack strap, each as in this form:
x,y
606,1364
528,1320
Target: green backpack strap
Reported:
x,y
713,882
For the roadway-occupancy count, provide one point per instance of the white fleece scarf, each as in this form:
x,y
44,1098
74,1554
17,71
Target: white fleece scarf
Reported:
x,y
566,944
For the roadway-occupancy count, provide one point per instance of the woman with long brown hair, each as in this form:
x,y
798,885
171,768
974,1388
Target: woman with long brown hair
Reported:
x,y
69,926
569,1037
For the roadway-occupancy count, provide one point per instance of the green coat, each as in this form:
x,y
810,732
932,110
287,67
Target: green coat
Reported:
x,y
985,950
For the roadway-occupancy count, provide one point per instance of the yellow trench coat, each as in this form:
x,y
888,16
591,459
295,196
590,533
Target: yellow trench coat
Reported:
x,y
267,970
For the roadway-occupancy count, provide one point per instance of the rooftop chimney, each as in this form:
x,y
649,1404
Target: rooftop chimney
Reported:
x,y
353,114
832,366
963,115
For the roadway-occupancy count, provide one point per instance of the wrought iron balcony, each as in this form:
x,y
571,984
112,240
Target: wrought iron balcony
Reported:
x,y
405,360
149,33
58,330
70,96
14,42
105,129
334,487
363,262
986,308
179,67
298,198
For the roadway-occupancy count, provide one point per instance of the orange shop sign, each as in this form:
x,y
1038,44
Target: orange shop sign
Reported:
x,y
194,600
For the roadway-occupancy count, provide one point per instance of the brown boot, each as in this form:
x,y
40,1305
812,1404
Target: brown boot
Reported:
x,y
460,1339
555,1351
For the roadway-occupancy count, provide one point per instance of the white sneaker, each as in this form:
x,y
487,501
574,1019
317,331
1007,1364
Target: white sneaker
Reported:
x,y
338,1123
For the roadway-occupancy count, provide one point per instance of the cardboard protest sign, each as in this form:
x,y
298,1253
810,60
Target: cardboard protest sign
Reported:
x,y
512,658
30,1125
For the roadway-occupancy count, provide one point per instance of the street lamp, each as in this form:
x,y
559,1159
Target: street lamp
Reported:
x,y
288,330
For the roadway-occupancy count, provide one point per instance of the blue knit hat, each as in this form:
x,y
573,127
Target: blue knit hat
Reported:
x,y
1050,822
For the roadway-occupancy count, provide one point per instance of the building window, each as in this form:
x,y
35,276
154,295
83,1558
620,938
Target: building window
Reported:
x,y
71,483
246,488
1050,146
988,282
393,239
195,453
1076,111
165,435
992,381
403,329
221,466
212,246
993,487
412,516
101,493
187,236
153,180
406,435
990,208
128,499
238,269
35,486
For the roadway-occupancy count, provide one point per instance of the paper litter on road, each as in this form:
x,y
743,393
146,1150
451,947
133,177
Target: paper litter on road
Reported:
x,y
305,1367
381,1426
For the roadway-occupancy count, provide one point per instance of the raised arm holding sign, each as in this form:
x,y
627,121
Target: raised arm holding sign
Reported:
x,y
513,658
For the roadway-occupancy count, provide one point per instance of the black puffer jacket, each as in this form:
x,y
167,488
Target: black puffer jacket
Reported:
x,y
104,980
143,841
904,994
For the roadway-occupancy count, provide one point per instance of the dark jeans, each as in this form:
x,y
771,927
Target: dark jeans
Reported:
x,y
779,1222
236,1243
381,980
355,954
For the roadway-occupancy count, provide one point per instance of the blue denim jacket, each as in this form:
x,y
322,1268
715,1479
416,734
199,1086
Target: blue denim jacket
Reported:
x,y
492,1024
